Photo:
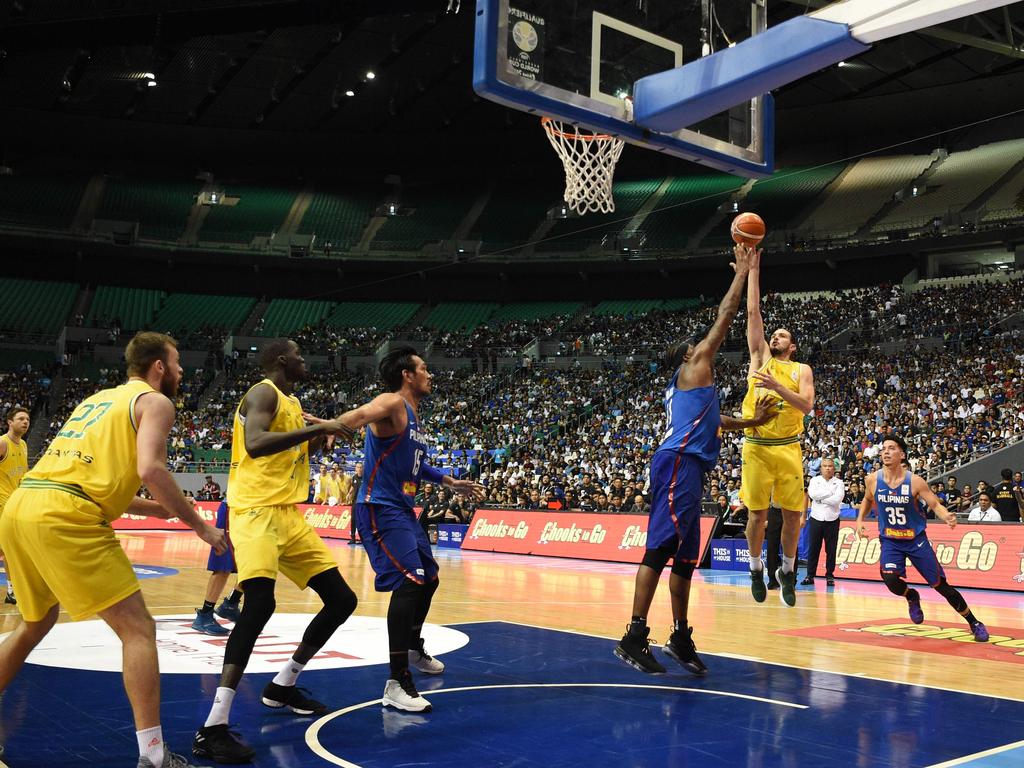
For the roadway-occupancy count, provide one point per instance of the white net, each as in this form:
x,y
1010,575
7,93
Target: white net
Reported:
x,y
589,160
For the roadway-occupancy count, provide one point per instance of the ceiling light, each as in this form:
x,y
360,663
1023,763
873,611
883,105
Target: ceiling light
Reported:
x,y
370,75
148,76
842,64
350,93
151,84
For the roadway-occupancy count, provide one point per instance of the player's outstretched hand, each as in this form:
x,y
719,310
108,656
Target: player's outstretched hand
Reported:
x,y
862,531
950,519
469,489
743,255
214,537
764,410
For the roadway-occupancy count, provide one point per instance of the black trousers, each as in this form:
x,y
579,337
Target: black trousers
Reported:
x,y
818,531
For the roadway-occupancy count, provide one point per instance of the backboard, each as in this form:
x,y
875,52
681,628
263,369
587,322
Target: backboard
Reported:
x,y
576,60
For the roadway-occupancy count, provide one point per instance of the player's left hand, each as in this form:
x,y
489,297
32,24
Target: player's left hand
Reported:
x,y
951,520
764,409
469,489
765,381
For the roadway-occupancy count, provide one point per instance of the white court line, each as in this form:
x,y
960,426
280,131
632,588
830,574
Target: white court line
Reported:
x,y
968,758
313,732
860,675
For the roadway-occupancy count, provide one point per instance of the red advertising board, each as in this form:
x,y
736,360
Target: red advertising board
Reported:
x,y
617,538
330,522
981,556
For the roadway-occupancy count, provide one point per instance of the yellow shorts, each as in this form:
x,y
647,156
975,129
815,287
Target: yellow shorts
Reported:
x,y
59,549
272,540
772,472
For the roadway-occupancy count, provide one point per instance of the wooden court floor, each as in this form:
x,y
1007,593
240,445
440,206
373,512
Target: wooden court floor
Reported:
x,y
836,630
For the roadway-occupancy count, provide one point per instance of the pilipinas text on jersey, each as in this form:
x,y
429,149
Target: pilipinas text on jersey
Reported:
x,y
899,513
393,465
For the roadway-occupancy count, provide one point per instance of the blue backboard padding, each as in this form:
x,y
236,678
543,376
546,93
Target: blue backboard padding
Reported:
x,y
487,84
796,48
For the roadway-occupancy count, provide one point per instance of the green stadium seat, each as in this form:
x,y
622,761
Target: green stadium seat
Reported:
x,y
459,316
31,306
134,307
160,207
260,212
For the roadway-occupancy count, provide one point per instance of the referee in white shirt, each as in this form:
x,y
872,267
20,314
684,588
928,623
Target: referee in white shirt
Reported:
x,y
826,492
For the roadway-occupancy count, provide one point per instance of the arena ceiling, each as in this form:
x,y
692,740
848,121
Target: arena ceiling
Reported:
x,y
285,66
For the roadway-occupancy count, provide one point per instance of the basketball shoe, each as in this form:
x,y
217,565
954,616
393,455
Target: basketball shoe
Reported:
x,y
221,745
681,648
402,694
423,661
635,649
293,697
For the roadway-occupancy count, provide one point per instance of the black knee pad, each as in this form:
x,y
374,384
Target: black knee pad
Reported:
x,y
683,569
338,598
657,559
895,583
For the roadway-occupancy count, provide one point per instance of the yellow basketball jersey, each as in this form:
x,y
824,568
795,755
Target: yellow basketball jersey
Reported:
x,y
281,478
95,456
12,466
789,422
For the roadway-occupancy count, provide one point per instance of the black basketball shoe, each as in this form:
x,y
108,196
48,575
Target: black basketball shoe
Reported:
x,y
681,648
635,649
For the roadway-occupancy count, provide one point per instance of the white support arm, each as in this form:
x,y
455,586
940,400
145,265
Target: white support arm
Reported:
x,y
873,20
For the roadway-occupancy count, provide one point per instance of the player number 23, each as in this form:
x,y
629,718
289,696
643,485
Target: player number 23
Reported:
x,y
896,516
86,415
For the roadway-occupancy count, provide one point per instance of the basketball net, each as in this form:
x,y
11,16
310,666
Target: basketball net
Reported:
x,y
589,160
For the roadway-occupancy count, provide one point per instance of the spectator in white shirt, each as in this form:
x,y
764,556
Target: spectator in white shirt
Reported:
x,y
984,512
826,492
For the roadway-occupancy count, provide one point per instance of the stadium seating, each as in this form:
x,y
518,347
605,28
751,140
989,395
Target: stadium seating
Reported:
x,y
41,200
35,306
260,211
783,196
461,316
956,183
512,214
189,311
576,234
339,217
368,314
534,310
688,203
866,187
134,308
285,316
160,207
435,214
1008,201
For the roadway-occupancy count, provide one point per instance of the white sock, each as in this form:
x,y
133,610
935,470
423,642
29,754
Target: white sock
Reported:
x,y
756,564
151,745
788,563
289,673
221,709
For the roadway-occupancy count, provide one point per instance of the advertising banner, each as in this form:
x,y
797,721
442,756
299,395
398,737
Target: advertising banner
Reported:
x,y
617,538
982,556
450,535
330,522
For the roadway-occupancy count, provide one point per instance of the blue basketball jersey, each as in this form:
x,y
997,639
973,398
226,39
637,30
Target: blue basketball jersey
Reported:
x,y
392,466
693,422
899,514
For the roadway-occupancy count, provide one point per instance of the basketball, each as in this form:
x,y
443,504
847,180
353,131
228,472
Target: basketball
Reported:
x,y
748,228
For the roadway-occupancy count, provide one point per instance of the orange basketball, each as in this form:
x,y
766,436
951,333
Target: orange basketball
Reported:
x,y
748,228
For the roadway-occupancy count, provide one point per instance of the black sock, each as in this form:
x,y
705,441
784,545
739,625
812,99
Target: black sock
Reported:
x,y
235,596
679,626
971,618
638,625
207,607
912,595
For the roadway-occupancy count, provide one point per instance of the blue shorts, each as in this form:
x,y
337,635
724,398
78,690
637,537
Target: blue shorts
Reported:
x,y
918,550
677,481
222,563
397,545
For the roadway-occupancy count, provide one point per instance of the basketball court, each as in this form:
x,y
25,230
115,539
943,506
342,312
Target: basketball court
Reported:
x,y
842,679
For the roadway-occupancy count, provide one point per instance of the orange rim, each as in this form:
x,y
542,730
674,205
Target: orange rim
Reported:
x,y
549,125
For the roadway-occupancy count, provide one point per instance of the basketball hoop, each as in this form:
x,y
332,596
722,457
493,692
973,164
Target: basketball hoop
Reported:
x,y
589,160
